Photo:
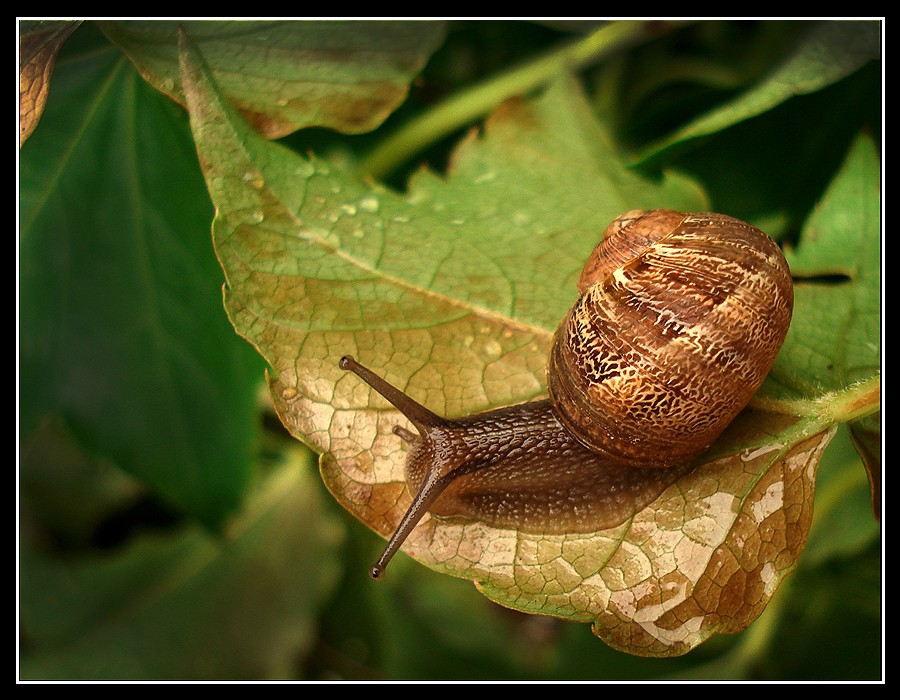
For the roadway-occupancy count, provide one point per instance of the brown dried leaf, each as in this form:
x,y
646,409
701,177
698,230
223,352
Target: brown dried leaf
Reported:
x,y
866,434
38,47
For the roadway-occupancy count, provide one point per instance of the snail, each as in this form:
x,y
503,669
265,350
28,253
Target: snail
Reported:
x,y
677,323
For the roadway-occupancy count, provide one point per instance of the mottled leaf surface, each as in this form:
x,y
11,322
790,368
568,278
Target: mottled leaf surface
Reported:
x,y
453,291
286,75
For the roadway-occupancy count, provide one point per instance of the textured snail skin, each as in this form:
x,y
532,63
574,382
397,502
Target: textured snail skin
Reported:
x,y
678,320
512,467
519,467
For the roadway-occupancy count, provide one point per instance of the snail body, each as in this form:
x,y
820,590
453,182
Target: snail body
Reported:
x,y
678,321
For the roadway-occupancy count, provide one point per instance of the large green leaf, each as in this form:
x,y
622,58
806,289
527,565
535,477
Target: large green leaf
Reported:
x,y
836,340
453,291
121,319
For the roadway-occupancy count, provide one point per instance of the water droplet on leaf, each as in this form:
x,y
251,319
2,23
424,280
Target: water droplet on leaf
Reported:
x,y
304,169
492,349
369,204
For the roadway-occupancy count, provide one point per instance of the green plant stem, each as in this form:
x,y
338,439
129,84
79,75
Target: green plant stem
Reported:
x,y
475,102
854,402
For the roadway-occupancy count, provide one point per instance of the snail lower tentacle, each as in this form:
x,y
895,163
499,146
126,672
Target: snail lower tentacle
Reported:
x,y
419,507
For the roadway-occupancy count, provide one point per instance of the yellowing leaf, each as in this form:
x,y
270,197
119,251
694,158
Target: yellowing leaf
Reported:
x,y
453,291
705,558
287,75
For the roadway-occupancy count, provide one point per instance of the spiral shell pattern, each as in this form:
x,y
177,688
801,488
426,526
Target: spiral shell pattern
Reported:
x,y
678,323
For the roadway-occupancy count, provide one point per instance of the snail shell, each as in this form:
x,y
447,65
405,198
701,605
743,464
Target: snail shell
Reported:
x,y
678,321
